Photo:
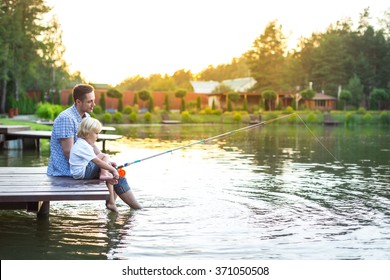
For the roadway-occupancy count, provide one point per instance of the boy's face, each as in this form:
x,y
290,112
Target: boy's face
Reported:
x,y
92,137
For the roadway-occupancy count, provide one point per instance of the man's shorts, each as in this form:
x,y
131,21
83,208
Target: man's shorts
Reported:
x,y
92,171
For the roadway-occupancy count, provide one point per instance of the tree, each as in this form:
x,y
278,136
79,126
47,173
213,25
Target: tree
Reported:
x,y
269,96
307,93
167,106
232,97
238,68
114,93
151,104
378,95
21,45
266,58
356,89
181,93
345,96
102,101
182,79
330,63
144,95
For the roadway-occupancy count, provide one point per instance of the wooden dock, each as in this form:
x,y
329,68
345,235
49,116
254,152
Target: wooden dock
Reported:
x,y
31,138
31,189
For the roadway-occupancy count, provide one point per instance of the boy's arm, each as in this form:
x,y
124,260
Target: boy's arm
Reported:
x,y
106,166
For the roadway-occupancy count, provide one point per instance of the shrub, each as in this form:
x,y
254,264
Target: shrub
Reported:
x,y
148,117
127,110
217,112
107,118
133,117
312,117
350,118
45,111
237,117
292,118
185,116
97,109
118,117
367,118
384,118
361,110
289,110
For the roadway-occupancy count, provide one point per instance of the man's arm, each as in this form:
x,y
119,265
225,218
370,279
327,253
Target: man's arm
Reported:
x,y
66,144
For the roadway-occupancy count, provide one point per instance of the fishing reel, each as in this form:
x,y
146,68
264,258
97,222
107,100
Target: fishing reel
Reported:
x,y
121,172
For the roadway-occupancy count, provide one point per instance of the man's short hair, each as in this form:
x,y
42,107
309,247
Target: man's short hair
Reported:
x,y
80,90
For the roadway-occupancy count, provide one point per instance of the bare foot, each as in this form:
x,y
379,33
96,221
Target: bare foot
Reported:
x,y
112,207
112,181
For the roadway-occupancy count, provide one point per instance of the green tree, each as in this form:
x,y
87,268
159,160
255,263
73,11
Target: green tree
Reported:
x,y
330,63
182,79
144,95
233,97
378,96
151,104
102,101
181,93
167,106
22,48
307,93
135,100
356,89
345,96
269,96
114,93
237,68
198,103
120,104
266,58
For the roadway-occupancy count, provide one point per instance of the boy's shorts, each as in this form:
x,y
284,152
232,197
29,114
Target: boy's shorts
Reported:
x,y
92,171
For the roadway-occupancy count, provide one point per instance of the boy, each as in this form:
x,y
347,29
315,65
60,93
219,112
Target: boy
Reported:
x,y
86,164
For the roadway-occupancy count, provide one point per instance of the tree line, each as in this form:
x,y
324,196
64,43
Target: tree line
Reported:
x,y
352,64
31,55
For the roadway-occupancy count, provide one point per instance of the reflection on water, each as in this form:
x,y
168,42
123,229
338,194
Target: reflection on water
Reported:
x,y
269,193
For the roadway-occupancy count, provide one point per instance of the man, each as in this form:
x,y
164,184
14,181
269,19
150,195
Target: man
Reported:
x,y
64,135
65,126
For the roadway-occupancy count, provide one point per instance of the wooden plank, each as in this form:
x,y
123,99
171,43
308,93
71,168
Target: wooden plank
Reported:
x,y
53,196
43,134
4,129
29,184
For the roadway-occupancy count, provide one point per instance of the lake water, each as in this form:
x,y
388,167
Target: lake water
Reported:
x,y
273,193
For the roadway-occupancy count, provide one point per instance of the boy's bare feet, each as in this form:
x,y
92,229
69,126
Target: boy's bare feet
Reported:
x,y
112,207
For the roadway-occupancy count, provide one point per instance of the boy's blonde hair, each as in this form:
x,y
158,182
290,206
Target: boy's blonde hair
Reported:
x,y
89,125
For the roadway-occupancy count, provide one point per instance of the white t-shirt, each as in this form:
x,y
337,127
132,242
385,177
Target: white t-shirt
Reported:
x,y
80,155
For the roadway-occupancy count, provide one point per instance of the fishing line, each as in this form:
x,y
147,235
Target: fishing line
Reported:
x,y
120,167
315,137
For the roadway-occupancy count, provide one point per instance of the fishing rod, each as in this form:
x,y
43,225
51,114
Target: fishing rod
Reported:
x,y
122,172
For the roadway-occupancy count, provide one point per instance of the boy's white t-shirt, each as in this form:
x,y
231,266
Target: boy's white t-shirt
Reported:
x,y
80,155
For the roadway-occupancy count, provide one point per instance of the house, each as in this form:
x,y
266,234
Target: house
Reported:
x,y
241,85
322,102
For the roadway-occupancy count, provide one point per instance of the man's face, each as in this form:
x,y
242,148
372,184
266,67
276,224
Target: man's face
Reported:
x,y
88,103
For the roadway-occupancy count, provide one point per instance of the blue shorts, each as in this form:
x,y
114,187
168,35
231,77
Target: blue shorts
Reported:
x,y
92,171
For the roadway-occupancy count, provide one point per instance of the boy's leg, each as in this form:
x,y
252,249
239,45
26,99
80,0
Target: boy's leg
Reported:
x,y
104,174
110,203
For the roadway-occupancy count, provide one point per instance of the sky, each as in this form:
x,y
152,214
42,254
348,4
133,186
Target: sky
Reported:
x,y
111,40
